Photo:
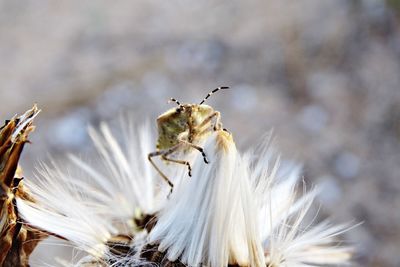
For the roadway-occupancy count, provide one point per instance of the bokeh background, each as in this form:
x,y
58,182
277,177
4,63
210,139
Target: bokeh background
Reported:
x,y
325,75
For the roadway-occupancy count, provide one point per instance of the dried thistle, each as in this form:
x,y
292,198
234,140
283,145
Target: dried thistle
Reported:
x,y
239,210
16,240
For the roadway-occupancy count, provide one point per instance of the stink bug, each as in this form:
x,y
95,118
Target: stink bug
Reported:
x,y
183,127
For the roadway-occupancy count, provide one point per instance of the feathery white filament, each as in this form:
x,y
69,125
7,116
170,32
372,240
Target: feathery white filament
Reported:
x,y
209,219
122,182
289,245
128,180
61,211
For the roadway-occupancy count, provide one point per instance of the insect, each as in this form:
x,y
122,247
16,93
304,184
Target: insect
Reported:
x,y
183,127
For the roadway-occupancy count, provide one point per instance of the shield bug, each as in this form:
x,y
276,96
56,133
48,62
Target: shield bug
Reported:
x,y
184,127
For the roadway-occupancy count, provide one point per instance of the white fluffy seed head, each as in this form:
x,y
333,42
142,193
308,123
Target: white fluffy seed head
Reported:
x,y
209,218
245,212
235,210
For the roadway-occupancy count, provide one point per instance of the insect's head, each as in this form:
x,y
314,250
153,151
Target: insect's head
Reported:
x,y
188,107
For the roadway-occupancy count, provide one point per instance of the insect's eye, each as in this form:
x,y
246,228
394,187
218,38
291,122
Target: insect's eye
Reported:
x,y
179,110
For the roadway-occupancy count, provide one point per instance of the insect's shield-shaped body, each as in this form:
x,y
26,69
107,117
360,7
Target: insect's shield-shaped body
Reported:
x,y
189,123
183,129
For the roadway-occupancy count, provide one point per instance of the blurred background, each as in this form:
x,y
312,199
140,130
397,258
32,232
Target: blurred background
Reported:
x,y
325,75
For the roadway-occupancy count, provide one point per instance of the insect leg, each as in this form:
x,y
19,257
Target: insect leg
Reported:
x,y
198,148
217,125
184,162
155,154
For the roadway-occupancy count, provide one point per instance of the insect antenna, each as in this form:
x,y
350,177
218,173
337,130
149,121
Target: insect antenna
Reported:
x,y
177,102
212,92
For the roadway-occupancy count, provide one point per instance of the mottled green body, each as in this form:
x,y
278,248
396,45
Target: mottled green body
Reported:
x,y
188,124
181,129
